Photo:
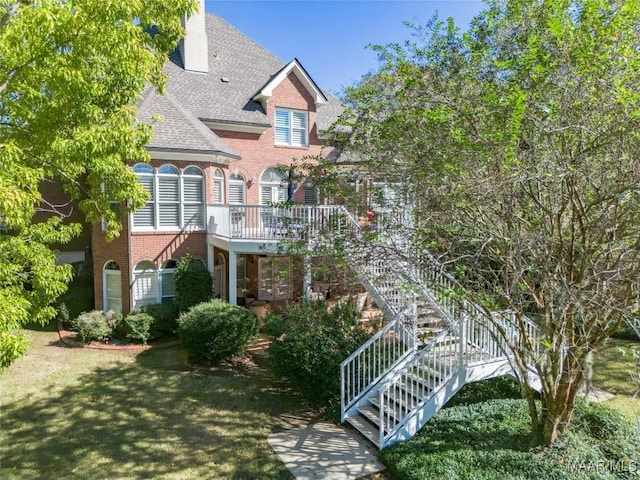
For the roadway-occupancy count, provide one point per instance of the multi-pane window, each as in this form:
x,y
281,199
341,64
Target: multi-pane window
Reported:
x,y
193,193
167,281
151,286
236,189
310,193
145,216
218,186
145,284
291,127
112,287
168,179
274,278
176,199
273,188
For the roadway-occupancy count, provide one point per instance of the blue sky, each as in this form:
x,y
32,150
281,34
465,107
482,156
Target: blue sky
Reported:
x,y
329,36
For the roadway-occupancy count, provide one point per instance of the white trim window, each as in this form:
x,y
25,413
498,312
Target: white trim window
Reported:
x,y
274,278
236,189
166,276
193,197
144,218
145,284
291,127
273,187
176,199
311,193
218,186
111,287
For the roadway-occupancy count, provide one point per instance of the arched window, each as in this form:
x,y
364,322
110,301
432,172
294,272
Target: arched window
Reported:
x,y
236,189
167,281
311,195
218,186
168,196
111,287
273,186
145,217
193,197
145,284
176,200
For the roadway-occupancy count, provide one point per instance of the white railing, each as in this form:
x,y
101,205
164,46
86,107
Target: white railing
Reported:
x,y
407,390
373,359
277,222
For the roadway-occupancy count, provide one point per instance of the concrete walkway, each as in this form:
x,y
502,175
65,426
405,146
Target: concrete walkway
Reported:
x,y
322,450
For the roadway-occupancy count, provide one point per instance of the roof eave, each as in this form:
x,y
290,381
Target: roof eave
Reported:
x,y
185,154
295,67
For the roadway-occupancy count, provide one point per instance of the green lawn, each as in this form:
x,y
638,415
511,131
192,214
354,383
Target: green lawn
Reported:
x,y
611,372
82,413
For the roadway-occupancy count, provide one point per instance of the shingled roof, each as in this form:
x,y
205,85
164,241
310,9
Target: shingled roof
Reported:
x,y
177,130
238,68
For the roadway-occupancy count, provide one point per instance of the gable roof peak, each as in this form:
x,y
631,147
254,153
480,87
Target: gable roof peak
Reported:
x,y
295,67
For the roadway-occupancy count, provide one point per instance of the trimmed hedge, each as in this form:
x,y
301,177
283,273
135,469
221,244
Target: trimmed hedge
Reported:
x,y
140,325
215,331
96,325
165,317
193,283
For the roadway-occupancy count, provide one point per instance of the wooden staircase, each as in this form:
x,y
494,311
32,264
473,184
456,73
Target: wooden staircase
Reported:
x,y
433,344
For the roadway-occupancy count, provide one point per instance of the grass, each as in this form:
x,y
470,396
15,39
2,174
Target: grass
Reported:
x,y
611,371
83,413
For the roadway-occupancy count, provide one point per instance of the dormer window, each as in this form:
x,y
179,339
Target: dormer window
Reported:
x,y
291,127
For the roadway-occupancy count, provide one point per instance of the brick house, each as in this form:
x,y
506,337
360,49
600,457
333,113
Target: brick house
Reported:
x,y
232,116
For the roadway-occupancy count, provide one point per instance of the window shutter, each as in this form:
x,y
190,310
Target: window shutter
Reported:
x,y
113,290
145,217
310,195
217,191
282,130
266,195
169,202
236,193
299,128
282,194
145,288
193,203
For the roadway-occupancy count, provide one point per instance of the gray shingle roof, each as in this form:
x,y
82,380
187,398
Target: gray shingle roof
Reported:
x,y
191,95
178,129
236,57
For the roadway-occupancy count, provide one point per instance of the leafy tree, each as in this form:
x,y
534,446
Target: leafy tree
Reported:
x,y
520,141
70,73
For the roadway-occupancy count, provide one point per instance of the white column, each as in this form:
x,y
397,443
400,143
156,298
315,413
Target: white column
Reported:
x,y
307,277
233,278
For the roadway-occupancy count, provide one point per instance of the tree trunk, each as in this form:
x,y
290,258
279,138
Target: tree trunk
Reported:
x,y
558,406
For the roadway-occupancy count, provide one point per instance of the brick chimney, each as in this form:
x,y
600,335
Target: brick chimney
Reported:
x,y
193,47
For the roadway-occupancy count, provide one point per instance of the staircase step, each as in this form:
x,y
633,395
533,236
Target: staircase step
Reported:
x,y
371,413
367,430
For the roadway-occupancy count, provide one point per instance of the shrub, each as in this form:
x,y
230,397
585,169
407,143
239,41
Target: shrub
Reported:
x,y
214,331
616,436
309,340
626,332
491,440
165,316
193,283
139,325
96,325
77,299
